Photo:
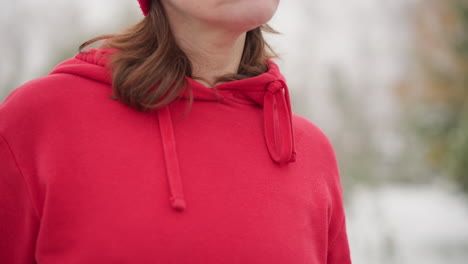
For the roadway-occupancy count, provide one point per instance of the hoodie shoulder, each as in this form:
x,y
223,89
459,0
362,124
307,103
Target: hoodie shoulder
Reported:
x,y
49,90
84,75
43,99
307,130
36,93
314,144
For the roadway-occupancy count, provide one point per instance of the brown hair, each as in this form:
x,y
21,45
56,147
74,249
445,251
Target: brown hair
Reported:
x,y
148,56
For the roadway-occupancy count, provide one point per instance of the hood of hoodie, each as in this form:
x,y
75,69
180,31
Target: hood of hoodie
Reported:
x,y
268,90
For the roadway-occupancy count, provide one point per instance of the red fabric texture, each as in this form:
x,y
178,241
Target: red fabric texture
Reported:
x,y
145,6
237,179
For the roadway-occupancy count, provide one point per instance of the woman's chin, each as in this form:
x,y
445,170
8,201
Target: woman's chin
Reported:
x,y
242,23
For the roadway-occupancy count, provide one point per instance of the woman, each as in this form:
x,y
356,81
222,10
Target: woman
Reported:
x,y
172,143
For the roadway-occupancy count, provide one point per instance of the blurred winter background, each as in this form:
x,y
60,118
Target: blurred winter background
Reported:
x,y
386,80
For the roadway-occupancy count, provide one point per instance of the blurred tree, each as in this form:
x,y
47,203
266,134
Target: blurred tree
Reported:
x,y
357,155
32,34
39,34
437,95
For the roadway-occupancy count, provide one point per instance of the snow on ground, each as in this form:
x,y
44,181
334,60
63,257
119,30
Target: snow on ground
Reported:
x,y
408,224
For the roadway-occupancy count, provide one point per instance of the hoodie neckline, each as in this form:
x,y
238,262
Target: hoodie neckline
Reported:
x,y
268,90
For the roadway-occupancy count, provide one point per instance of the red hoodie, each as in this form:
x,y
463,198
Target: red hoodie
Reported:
x,y
85,179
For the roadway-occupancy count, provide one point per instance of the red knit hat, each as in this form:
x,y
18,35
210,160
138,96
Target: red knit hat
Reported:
x,y
145,6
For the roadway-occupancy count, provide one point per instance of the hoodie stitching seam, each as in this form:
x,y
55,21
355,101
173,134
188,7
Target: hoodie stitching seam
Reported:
x,y
335,239
240,101
25,182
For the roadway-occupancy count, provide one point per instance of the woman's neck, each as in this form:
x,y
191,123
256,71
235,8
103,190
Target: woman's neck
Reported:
x,y
211,58
212,51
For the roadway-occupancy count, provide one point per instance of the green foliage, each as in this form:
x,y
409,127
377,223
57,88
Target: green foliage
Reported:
x,y
442,120
458,153
458,135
